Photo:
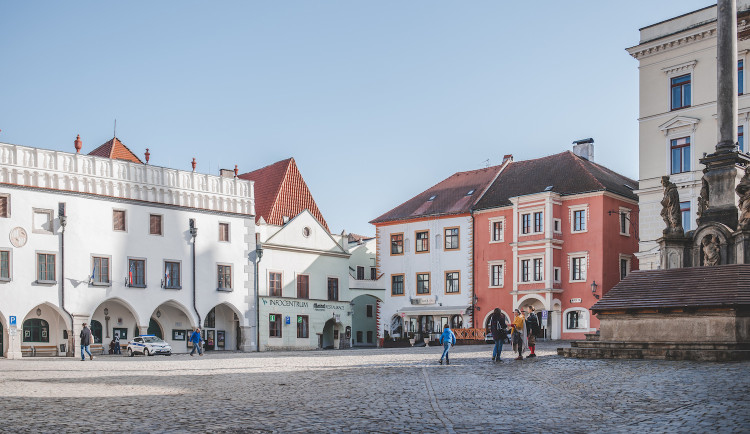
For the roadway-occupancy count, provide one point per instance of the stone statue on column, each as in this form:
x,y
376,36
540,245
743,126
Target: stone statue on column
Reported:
x,y
670,211
702,199
711,253
743,191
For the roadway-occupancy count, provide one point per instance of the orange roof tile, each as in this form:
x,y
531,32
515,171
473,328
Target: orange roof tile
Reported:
x,y
115,150
281,191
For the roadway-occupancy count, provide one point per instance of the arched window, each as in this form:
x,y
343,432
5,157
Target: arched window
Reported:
x,y
457,322
576,319
96,331
210,321
35,330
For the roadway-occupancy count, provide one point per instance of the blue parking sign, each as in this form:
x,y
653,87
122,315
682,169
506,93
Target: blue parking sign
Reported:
x,y
12,321
288,319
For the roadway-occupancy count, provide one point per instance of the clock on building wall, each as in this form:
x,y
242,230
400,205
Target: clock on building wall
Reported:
x,y
18,237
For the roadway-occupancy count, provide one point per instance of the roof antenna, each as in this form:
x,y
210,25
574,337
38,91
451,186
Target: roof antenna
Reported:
x,y
115,131
486,163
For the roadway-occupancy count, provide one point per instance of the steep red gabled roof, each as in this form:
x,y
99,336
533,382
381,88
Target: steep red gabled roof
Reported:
x,y
281,191
115,150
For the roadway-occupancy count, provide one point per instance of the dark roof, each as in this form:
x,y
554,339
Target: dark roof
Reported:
x,y
566,172
115,150
449,196
355,238
722,285
281,191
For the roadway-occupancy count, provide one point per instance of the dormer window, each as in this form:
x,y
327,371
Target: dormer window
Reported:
x,y
432,198
470,192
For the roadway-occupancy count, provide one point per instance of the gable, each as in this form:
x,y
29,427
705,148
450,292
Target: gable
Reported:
x,y
294,235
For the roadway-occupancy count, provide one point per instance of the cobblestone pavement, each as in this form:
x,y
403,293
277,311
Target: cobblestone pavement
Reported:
x,y
372,390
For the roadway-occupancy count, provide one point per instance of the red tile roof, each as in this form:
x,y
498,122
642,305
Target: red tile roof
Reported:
x,y
724,285
566,172
450,196
115,150
281,191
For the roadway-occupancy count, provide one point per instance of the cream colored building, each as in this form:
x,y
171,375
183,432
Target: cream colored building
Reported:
x,y
677,120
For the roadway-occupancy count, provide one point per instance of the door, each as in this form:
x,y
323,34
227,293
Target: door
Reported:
x,y
154,329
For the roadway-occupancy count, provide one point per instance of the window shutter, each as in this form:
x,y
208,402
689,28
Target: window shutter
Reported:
x,y
4,206
155,225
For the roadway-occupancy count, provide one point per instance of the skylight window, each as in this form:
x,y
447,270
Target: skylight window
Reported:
x,y
549,188
470,192
629,186
432,197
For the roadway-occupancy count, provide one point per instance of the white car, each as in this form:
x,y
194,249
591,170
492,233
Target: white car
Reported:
x,y
148,345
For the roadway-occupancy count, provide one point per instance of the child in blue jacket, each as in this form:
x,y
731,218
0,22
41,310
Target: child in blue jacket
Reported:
x,y
448,339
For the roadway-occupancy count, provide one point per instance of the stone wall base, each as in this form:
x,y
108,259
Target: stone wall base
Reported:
x,y
719,352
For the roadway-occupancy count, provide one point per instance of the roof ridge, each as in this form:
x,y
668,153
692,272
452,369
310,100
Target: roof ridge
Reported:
x,y
579,161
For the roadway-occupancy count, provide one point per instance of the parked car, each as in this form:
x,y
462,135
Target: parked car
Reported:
x,y
148,345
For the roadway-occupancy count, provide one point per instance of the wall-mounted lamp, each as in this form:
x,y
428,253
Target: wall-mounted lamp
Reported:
x,y
259,250
593,289
38,312
106,311
158,313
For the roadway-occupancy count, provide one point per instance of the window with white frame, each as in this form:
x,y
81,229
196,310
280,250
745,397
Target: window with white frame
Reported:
x,y
576,319
556,274
496,273
578,219
5,265
497,230
538,222
525,270
578,265
557,223
624,221
526,223
100,271
624,266
538,267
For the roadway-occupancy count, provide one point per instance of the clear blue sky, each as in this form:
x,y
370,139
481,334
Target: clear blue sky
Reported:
x,y
375,100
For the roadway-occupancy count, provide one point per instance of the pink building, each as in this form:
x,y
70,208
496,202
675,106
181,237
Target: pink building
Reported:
x,y
556,233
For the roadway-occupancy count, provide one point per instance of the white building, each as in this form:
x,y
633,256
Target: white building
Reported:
x,y
368,289
424,250
108,242
677,120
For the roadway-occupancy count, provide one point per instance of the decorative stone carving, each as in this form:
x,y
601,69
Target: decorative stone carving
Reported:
x,y
671,208
743,191
703,198
711,252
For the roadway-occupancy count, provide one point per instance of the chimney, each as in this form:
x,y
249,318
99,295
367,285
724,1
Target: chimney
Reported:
x,y
226,173
507,157
584,148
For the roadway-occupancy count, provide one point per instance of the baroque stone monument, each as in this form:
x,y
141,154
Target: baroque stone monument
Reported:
x,y
697,306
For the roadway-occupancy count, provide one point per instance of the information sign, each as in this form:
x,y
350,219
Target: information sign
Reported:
x,y
272,317
287,320
12,321
544,316
299,319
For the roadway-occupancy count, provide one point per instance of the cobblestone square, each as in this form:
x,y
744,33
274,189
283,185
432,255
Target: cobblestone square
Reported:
x,y
372,390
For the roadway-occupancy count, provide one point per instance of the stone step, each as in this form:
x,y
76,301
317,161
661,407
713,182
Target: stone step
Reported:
x,y
592,336
709,346
655,353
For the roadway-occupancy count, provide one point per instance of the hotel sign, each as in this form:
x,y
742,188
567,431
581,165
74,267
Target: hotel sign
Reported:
x,y
575,300
424,300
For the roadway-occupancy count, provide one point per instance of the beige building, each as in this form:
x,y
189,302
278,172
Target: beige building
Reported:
x,y
677,120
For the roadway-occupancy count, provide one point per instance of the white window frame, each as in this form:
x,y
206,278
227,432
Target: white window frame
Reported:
x,y
586,320
490,264
161,223
578,255
36,267
109,271
530,258
231,277
627,258
492,230
682,127
626,212
685,68
50,219
268,283
164,273
556,274
10,264
557,226
145,270
571,212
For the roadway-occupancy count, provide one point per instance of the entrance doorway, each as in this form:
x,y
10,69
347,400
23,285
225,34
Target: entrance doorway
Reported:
x,y
154,329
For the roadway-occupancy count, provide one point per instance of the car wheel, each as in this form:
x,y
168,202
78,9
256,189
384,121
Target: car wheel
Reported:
x,y
130,352
146,352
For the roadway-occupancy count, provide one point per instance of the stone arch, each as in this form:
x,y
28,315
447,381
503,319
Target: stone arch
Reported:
x,y
223,320
55,333
120,317
726,244
489,315
526,300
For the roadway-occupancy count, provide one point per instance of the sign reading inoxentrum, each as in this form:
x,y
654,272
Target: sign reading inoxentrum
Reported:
x,y
302,304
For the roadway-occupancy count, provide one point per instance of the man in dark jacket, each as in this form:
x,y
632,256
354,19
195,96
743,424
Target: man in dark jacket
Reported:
x,y
498,328
86,339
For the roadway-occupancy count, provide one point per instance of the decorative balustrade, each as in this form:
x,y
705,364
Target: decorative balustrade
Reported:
x,y
57,170
470,334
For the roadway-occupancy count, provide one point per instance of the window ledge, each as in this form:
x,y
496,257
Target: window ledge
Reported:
x,y
496,286
224,289
136,286
5,279
100,284
46,282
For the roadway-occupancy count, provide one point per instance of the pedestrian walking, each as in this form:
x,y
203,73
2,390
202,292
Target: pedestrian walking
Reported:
x,y
117,344
448,339
86,339
498,328
195,338
532,328
519,333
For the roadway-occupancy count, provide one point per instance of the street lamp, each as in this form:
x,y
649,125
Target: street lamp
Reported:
x,y
258,255
593,289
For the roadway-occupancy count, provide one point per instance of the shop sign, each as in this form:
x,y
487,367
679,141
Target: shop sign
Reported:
x,y
324,306
575,300
424,300
285,303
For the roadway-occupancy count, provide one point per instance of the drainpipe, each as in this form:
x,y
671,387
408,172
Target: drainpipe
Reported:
x,y
63,223
258,255
193,235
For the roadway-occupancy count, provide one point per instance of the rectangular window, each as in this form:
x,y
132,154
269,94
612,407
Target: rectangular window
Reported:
x,y
274,284
497,275
497,231
225,276
526,223
274,325
538,269
4,264
360,273
578,269
370,310
303,286
451,238
556,274
579,220
685,210
623,268
452,285
172,278
137,272
333,289
155,227
741,137
538,222
224,232
423,283
623,223
303,327
680,87
359,336
373,273
45,267
423,241
369,336
680,151
397,244
740,77
118,220
4,206
557,225
397,284
525,270
100,270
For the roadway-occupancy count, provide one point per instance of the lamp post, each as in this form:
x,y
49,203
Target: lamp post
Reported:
x,y
593,289
258,255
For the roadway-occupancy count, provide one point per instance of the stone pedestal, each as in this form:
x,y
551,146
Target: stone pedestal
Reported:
x,y
675,252
247,339
14,343
723,172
